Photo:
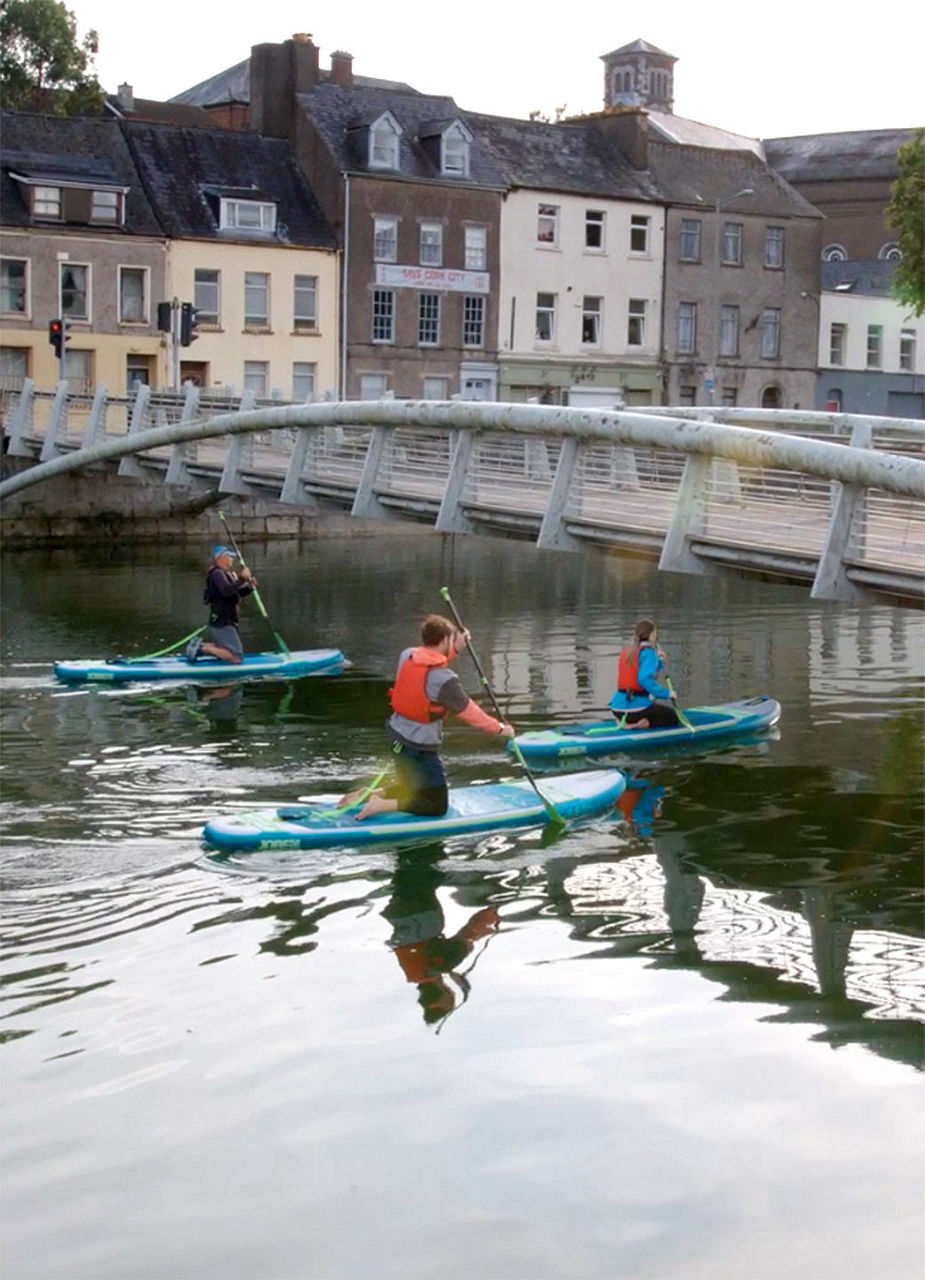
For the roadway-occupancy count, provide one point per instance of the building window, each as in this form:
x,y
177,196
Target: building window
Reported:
x,y
732,244
385,239
473,333
591,321
257,377
770,334
545,317
13,286
46,202
455,152
138,371
833,400
383,315
729,330
890,252
547,224
433,388
256,300
687,395
690,240
373,386
907,350
774,247
639,233
594,229
687,328
834,253
14,366
78,371
104,207
206,296
133,295
303,381
770,398
75,291
636,324
476,248
383,144
305,303
730,397
428,319
247,215
838,341
431,250
874,346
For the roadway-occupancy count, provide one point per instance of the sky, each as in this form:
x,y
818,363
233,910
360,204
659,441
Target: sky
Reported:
x,y
792,67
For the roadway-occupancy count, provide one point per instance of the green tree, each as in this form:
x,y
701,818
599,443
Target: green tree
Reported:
x,y
906,214
43,65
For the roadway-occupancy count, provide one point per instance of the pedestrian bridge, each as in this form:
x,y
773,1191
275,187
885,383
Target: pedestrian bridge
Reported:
x,y
832,501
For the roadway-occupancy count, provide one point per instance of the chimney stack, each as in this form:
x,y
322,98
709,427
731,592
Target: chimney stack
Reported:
x,y
125,98
342,67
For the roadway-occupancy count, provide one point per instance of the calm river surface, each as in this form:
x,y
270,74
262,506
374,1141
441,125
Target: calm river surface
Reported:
x,y
689,1048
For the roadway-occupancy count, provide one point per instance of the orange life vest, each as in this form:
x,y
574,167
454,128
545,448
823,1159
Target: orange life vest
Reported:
x,y
407,696
628,671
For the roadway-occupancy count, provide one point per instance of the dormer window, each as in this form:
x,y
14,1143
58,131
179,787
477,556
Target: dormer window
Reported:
x,y
46,202
71,199
105,207
384,135
454,151
248,215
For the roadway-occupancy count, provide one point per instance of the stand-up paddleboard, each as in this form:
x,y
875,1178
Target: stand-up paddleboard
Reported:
x,y
603,737
484,807
284,666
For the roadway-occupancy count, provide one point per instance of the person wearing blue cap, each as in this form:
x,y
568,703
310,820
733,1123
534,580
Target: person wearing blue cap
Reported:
x,y
223,592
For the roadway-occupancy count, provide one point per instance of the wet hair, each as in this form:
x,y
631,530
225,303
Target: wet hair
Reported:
x,y
643,630
434,628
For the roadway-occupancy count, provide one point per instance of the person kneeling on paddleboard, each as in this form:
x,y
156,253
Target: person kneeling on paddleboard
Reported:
x,y
223,592
641,701
425,692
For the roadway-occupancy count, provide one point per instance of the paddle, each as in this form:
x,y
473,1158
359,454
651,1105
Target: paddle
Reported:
x,y
677,710
280,643
554,815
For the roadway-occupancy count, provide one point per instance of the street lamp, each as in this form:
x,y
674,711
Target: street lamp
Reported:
x,y
721,203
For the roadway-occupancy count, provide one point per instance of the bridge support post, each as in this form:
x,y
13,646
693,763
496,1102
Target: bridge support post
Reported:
x,y
20,421
240,454
96,426
365,502
292,490
178,468
129,465
553,535
450,517
689,519
848,508
57,424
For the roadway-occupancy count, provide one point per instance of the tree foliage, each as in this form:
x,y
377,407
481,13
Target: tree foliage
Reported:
x,y
906,214
43,65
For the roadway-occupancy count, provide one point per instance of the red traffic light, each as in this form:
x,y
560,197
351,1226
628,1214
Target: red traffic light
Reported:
x,y
57,336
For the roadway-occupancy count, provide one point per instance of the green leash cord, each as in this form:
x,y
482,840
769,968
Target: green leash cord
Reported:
x,y
345,808
554,815
280,643
677,710
172,648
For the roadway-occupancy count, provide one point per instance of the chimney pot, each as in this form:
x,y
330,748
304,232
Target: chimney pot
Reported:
x,y
126,97
342,67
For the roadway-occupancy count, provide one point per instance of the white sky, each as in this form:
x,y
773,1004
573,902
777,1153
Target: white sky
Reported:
x,y
789,67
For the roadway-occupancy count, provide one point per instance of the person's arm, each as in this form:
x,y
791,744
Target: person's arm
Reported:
x,y
648,671
453,696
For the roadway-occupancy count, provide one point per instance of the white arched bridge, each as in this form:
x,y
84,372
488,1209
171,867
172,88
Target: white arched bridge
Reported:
x,y
834,501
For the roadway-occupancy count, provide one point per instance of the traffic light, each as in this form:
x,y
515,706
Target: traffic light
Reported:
x,y
164,322
188,331
57,336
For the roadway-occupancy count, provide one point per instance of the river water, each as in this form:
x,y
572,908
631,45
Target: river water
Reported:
x,y
682,1041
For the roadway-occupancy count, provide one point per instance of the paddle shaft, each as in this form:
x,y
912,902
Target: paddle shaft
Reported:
x,y
554,814
260,605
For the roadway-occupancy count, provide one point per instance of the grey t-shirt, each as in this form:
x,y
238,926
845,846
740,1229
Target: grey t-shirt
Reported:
x,y
441,686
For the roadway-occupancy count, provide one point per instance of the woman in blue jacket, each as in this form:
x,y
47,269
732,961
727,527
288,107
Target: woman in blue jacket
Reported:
x,y
642,701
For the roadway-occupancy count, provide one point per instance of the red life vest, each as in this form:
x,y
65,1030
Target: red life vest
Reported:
x,y
407,696
628,671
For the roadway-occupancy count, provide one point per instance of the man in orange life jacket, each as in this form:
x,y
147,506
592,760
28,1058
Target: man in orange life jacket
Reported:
x,y
425,691
641,701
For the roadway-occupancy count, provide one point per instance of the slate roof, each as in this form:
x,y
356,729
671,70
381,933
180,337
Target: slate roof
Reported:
x,y
699,176
341,114
234,85
182,168
868,277
672,128
639,46
826,157
569,157
155,112
79,148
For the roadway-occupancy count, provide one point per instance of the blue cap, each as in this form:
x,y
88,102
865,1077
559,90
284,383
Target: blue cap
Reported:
x,y
223,551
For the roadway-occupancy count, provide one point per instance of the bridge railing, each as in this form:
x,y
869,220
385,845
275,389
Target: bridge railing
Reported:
x,y
829,499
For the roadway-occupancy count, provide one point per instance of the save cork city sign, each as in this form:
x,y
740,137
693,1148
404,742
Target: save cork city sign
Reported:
x,y
395,276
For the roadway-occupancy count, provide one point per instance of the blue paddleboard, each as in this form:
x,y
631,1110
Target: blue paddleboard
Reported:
x,y
283,666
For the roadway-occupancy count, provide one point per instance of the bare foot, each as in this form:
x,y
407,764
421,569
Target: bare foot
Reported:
x,y
377,804
640,724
